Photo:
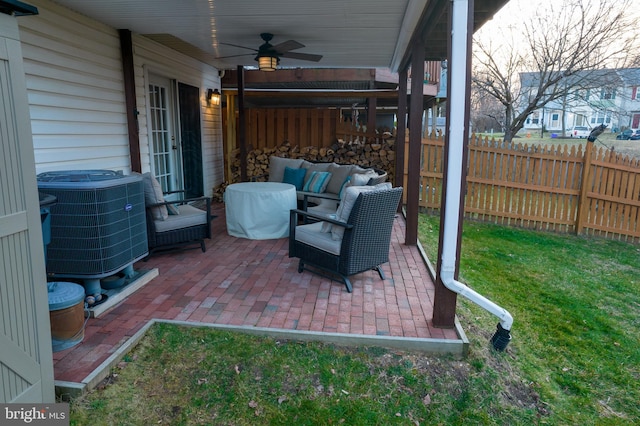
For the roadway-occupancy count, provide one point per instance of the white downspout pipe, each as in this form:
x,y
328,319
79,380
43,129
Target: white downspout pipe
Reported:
x,y
458,69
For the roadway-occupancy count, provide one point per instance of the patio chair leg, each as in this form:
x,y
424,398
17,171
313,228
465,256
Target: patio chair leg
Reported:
x,y
300,266
379,269
202,246
347,283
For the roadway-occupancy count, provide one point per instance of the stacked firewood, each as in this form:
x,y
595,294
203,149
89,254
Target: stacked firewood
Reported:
x,y
376,155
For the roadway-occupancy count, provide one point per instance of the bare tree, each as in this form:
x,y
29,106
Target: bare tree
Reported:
x,y
561,46
486,113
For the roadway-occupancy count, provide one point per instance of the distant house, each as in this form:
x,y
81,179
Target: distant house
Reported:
x,y
609,96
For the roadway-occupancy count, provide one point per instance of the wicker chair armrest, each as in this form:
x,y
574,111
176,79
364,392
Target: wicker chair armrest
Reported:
x,y
177,191
294,213
325,195
181,201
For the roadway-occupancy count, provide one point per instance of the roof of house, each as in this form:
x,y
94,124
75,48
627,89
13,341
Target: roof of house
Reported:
x,y
607,76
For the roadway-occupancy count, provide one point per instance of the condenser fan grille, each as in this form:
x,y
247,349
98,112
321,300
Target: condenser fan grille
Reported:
x,y
97,227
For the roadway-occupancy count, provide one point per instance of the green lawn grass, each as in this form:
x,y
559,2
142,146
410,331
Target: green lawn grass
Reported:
x,y
576,306
574,358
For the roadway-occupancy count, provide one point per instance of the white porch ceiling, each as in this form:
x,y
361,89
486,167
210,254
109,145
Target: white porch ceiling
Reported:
x,y
347,33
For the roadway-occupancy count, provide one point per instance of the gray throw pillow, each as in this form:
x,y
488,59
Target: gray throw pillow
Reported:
x,y
153,195
339,173
314,167
277,165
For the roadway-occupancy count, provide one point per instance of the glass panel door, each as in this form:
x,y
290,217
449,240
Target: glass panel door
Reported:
x,y
165,148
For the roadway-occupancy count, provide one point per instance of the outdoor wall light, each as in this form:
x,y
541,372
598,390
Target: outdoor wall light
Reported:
x,y
213,97
267,63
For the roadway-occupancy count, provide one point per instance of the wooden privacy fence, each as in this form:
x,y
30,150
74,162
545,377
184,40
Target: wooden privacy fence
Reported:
x,y
556,188
270,127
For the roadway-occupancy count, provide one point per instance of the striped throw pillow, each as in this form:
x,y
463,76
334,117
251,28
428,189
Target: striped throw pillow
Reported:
x,y
317,182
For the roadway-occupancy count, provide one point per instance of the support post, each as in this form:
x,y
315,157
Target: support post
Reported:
x,y
231,139
242,128
455,156
372,107
401,131
126,52
416,110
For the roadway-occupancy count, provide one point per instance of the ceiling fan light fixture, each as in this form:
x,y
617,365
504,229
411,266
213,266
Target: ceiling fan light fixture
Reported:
x,y
267,63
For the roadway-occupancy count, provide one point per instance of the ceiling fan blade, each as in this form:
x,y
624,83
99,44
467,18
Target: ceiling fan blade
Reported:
x,y
302,56
242,47
234,56
288,45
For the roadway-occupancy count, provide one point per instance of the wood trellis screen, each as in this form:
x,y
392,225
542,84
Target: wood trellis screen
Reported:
x,y
554,188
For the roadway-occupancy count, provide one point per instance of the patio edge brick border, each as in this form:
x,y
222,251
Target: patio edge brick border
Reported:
x,y
458,348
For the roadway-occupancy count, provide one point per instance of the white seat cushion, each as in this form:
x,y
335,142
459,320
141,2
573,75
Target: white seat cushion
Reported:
x,y
361,179
189,216
312,235
326,207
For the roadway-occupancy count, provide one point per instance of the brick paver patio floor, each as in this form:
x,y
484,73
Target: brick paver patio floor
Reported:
x,y
254,283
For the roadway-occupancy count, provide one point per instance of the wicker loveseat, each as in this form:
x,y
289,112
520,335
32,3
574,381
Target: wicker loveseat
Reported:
x,y
176,223
321,183
355,241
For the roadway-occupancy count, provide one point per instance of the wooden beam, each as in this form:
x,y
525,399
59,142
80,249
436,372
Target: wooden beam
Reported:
x,y
126,52
320,93
372,106
416,109
253,77
231,136
401,132
242,127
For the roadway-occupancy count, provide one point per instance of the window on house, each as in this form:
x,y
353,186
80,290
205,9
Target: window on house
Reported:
x,y
601,117
607,94
554,117
634,93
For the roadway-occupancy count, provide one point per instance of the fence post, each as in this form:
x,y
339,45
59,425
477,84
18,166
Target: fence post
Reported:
x,y
584,184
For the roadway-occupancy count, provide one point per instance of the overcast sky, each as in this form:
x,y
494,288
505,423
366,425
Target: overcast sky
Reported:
x,y
512,16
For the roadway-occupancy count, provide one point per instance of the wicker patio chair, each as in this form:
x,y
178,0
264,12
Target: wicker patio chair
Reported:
x,y
176,223
365,241
189,227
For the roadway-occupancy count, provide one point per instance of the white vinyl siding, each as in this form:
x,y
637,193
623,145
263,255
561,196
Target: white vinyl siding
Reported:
x,y
76,94
75,85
